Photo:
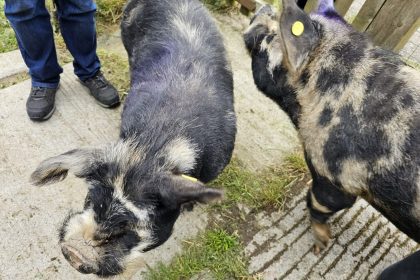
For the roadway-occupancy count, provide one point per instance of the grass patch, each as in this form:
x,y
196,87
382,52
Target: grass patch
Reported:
x,y
219,5
7,36
116,70
110,11
267,189
216,252
13,80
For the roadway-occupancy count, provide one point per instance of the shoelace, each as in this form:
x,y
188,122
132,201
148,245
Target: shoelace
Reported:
x,y
39,92
100,81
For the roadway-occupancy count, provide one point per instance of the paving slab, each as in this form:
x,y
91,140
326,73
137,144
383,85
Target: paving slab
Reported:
x,y
363,244
11,63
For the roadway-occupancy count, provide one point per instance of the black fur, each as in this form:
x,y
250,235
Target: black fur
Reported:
x,y
326,116
354,138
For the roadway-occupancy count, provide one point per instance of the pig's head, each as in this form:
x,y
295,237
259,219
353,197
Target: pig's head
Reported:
x,y
130,208
291,41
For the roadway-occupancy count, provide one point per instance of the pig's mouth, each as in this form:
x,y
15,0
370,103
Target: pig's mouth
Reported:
x,y
83,257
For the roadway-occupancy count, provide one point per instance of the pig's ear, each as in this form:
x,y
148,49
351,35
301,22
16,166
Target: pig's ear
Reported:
x,y
55,169
325,5
188,190
298,33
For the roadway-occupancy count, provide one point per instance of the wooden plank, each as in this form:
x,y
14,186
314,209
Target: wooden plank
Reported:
x,y
393,23
342,6
405,38
367,13
311,5
250,5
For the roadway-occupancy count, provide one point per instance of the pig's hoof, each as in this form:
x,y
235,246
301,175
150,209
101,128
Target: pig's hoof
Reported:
x,y
322,236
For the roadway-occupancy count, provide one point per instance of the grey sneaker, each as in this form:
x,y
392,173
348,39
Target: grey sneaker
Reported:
x,y
102,90
40,104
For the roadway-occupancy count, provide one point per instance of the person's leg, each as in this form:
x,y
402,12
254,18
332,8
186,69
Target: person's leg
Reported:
x,y
31,23
77,24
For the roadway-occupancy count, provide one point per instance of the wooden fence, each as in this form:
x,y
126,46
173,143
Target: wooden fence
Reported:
x,y
390,23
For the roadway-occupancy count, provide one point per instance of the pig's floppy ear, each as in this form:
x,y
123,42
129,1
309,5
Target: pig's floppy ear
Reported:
x,y
190,190
56,168
298,33
325,5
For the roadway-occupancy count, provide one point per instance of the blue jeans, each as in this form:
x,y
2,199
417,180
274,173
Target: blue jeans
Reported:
x,y
31,23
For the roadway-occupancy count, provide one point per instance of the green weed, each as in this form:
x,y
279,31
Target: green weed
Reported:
x,y
219,5
216,252
116,70
266,189
7,36
219,251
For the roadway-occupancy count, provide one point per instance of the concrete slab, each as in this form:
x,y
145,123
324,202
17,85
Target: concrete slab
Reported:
x,y
11,63
363,244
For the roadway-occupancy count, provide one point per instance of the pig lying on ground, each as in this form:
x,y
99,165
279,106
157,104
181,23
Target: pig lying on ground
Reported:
x,y
356,107
178,120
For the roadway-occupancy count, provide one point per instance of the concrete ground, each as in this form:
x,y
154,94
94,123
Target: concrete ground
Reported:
x,y
363,241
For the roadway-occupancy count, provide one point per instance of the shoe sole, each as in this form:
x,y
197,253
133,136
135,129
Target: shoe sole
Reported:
x,y
106,106
45,117
96,100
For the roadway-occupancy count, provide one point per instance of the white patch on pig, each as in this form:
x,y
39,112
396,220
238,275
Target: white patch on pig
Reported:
x,y
188,30
136,258
181,155
142,214
316,205
125,152
81,226
275,55
354,175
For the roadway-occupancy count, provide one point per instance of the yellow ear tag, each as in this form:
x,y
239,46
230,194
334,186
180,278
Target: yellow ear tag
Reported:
x,y
298,28
189,178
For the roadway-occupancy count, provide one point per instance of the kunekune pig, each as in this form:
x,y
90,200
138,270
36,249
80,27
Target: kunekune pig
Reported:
x,y
356,108
178,119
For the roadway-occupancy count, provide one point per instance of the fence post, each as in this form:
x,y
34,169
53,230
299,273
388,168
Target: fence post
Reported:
x,y
394,24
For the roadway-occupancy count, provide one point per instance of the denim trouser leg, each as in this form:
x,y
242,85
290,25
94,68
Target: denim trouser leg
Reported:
x,y
31,23
77,22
